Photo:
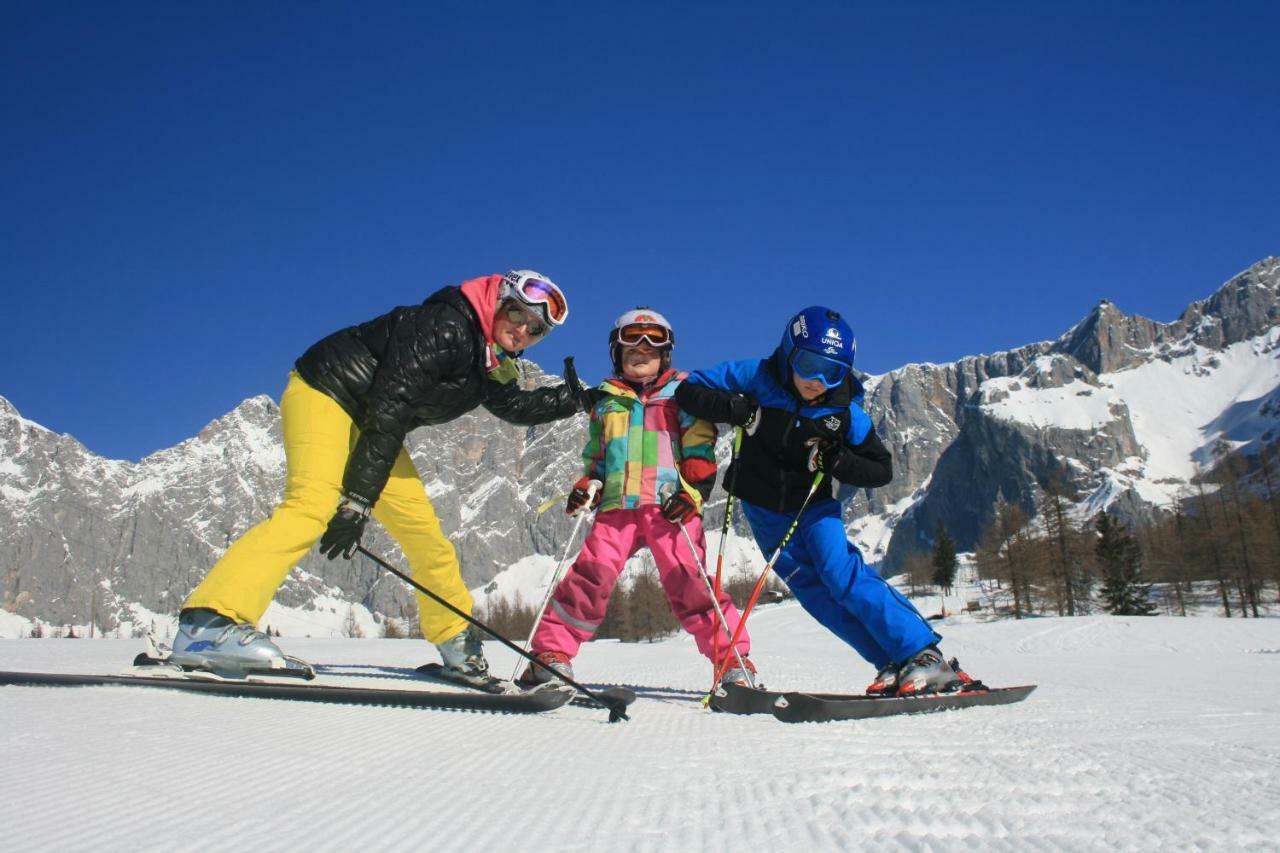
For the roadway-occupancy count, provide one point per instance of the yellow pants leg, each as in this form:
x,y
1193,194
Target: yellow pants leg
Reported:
x,y
318,436
406,511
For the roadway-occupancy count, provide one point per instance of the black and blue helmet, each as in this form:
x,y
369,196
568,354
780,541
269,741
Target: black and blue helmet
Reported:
x,y
819,344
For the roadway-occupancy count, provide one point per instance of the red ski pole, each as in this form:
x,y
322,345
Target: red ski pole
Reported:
x,y
723,667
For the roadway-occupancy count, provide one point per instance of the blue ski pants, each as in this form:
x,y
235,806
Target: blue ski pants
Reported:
x,y
826,573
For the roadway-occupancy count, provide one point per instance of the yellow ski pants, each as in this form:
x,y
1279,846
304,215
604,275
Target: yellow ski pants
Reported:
x,y
318,438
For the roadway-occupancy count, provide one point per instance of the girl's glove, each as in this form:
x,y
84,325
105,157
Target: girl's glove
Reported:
x,y
582,493
679,508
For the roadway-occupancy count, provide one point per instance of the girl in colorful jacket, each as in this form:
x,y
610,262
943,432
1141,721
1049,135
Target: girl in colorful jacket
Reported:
x,y
657,464
801,409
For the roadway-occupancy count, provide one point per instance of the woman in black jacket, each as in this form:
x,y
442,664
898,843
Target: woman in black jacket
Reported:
x,y
351,400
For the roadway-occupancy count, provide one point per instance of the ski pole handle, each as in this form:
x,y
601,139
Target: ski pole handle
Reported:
x,y
593,486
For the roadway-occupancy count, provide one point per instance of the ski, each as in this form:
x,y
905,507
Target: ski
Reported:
x,y
736,699
435,672
821,708
470,700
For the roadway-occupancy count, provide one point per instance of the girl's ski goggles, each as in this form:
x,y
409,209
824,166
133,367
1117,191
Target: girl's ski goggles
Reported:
x,y
535,291
653,334
519,315
810,365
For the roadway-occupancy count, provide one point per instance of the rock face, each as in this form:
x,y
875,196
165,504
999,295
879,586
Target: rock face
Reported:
x,y
85,538
82,537
971,430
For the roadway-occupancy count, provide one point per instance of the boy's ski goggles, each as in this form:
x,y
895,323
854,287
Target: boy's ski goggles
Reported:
x,y
535,291
635,334
810,365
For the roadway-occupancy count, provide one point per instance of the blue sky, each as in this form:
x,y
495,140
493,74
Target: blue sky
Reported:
x,y
191,194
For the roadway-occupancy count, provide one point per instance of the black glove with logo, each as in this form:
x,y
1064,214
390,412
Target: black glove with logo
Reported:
x,y
345,529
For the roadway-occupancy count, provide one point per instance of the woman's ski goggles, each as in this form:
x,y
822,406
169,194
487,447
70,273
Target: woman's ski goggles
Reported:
x,y
810,365
653,334
527,317
535,291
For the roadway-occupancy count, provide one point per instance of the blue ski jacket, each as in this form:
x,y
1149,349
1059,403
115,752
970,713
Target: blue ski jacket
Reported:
x,y
772,467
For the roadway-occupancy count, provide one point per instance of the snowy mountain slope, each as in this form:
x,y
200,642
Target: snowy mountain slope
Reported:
x,y
1176,411
1116,750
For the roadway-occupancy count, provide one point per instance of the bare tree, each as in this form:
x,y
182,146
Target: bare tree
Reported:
x,y
1060,557
351,625
1003,553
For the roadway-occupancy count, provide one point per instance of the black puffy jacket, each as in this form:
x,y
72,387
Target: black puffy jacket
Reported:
x,y
415,366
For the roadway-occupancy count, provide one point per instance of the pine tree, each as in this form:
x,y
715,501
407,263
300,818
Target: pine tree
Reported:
x,y
1123,589
945,563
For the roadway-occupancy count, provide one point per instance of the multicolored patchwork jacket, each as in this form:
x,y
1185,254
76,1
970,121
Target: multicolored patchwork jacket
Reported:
x,y
642,445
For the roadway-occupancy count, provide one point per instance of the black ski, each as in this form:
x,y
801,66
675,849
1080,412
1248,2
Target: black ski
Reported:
x,y
435,672
822,708
472,700
736,699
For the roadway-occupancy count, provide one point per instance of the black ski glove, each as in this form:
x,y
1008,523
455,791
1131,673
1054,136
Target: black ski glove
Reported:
x,y
345,528
826,455
744,412
587,397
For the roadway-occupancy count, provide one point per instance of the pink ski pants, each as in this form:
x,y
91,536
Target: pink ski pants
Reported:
x,y
579,603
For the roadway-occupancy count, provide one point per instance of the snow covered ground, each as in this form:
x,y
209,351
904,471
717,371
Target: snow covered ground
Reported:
x,y
1157,733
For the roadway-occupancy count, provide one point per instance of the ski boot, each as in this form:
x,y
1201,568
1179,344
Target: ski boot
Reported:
x,y
927,671
210,642
464,663
550,664
742,676
886,681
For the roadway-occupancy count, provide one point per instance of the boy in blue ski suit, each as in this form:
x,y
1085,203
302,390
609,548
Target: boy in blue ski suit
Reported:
x,y
801,413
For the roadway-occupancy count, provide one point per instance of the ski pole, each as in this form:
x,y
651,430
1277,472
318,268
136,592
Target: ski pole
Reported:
x,y
755,592
593,486
724,536
617,710
715,602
